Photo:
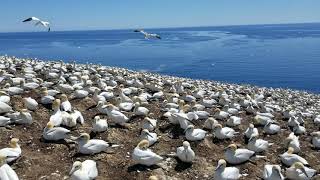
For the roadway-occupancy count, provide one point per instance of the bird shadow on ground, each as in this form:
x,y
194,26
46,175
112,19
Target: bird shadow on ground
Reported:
x,y
47,106
174,130
181,166
139,167
64,142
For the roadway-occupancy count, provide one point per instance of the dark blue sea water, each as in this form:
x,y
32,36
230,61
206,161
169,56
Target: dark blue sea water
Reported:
x,y
285,55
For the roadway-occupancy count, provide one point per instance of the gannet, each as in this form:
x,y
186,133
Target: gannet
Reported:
x,y
151,137
80,93
97,98
28,86
24,117
210,122
13,90
91,146
86,170
232,111
233,155
149,124
185,153
30,103
4,97
288,158
298,171
262,120
38,22
223,132
293,142
271,128
52,133
65,103
251,131
126,106
6,172
316,139
258,145
4,108
143,155
226,173
234,121
220,115
46,98
272,172
56,117
4,121
194,134
99,125
299,130
116,116
139,110
65,88
12,152
147,35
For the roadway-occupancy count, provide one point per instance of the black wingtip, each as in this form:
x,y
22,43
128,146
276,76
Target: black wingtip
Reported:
x,y
136,30
26,20
49,29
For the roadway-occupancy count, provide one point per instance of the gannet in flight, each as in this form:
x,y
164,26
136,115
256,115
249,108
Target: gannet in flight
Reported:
x,y
147,35
38,22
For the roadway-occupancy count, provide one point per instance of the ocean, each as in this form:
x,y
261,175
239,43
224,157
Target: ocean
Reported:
x,y
285,55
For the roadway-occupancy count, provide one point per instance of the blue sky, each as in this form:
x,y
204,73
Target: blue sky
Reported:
x,y
123,14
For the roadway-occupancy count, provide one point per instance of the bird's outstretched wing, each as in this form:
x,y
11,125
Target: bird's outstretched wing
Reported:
x,y
39,22
31,19
141,31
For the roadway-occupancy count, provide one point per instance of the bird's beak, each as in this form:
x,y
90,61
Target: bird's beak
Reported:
x,y
226,148
148,134
73,138
304,172
217,167
72,171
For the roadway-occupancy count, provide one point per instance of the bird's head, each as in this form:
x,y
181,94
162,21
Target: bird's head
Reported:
x,y
56,104
186,144
153,177
316,134
290,150
50,125
189,128
14,142
251,126
76,166
232,147
64,97
96,118
217,126
221,163
84,137
144,144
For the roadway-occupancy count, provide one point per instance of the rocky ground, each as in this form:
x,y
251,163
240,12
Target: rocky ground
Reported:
x,y
43,160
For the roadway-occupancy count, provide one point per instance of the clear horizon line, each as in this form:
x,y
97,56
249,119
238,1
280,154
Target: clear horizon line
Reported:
x,y
174,27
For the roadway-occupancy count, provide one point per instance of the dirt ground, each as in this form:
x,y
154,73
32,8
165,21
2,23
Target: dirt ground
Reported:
x,y
43,160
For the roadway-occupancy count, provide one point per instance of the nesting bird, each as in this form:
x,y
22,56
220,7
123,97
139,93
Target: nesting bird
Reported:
x,y
143,155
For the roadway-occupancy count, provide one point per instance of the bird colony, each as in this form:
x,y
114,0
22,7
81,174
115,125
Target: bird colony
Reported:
x,y
84,121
